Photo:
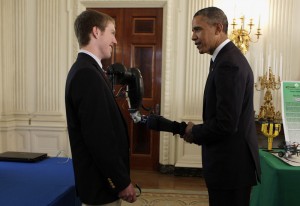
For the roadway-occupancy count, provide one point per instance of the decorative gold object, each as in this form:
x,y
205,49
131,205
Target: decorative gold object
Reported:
x,y
268,82
271,131
241,36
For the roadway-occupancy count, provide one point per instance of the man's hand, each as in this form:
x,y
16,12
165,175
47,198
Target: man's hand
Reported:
x,y
188,136
128,194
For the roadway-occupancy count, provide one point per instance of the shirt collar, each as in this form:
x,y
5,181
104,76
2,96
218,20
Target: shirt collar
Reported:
x,y
94,57
218,49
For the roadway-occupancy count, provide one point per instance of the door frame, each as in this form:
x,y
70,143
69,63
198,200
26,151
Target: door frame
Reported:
x,y
167,151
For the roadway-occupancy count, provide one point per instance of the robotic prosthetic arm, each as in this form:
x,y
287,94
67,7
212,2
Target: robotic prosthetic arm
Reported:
x,y
132,77
159,123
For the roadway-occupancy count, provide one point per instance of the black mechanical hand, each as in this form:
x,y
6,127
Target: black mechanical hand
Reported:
x,y
159,123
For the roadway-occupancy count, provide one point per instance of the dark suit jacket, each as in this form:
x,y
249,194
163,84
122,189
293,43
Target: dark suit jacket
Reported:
x,y
228,134
98,134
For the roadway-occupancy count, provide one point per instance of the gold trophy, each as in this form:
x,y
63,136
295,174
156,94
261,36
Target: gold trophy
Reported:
x,y
270,130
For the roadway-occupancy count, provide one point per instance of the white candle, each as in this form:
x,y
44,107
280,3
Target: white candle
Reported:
x,y
274,62
234,10
269,62
262,64
256,67
280,68
269,56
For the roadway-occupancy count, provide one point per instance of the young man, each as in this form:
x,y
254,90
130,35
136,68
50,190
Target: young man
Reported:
x,y
228,134
97,131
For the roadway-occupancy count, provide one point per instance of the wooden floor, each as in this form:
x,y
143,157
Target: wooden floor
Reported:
x,y
157,180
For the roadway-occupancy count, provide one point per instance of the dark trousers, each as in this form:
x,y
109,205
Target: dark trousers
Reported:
x,y
236,197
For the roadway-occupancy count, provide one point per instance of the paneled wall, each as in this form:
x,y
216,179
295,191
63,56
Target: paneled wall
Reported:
x,y
38,48
33,69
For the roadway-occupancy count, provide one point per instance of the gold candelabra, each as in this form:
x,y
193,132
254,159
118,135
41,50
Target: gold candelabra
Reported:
x,y
241,36
271,131
271,125
268,82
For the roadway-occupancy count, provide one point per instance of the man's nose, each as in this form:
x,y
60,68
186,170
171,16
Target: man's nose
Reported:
x,y
194,37
115,41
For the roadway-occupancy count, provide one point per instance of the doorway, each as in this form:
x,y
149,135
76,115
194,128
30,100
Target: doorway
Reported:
x,y
139,36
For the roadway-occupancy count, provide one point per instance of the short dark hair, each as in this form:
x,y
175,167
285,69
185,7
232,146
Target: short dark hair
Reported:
x,y
214,15
85,22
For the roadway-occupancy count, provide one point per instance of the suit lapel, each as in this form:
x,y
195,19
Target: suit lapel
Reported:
x,y
106,80
212,67
104,77
96,65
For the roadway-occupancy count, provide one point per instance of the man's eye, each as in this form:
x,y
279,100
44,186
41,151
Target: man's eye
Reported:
x,y
196,29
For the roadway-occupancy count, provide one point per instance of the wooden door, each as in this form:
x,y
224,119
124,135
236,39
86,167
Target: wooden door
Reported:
x,y
139,36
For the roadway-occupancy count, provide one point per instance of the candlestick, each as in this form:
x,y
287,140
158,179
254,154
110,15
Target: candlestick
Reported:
x,y
268,82
240,35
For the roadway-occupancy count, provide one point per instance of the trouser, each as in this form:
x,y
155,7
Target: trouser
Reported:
x,y
236,197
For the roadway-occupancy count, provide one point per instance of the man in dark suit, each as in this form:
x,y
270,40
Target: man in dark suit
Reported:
x,y
97,131
227,135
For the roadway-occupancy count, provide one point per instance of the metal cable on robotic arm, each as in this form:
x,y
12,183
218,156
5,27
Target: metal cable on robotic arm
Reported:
x,y
119,74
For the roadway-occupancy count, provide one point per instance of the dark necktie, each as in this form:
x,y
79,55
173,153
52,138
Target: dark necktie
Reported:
x,y
105,77
211,65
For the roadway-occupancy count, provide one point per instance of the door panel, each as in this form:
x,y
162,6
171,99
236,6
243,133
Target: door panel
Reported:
x,y
139,36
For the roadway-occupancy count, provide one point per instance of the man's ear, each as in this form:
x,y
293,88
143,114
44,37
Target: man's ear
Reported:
x,y
219,28
95,32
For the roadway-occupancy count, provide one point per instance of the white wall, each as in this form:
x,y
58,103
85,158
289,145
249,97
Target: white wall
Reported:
x,y
38,47
34,62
